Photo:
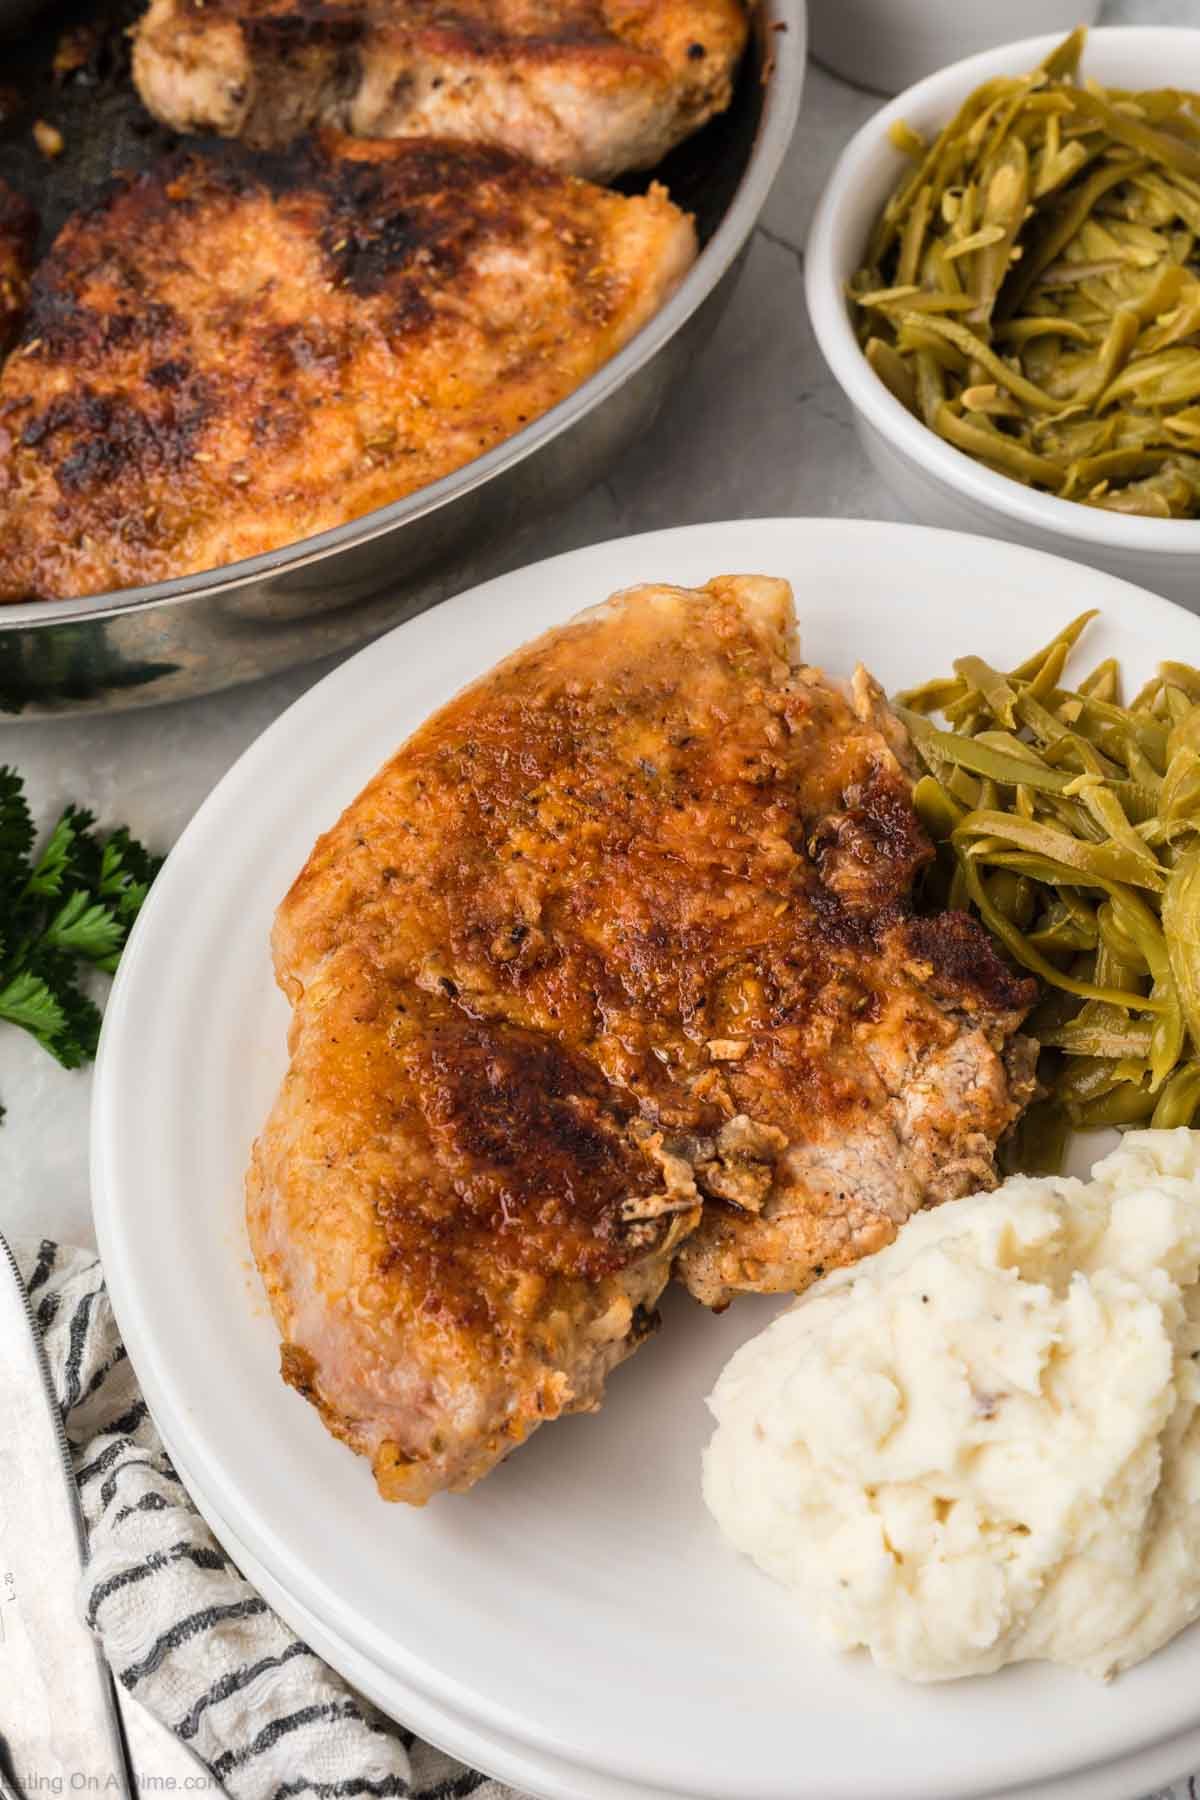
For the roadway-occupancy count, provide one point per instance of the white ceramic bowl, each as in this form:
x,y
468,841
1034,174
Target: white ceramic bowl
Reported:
x,y
938,484
889,44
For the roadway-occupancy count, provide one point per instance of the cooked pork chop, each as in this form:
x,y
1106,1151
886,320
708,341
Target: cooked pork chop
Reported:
x,y
18,227
236,350
624,927
587,87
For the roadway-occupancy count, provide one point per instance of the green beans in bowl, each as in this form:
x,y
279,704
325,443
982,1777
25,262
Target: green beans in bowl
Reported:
x,y
1004,275
1032,290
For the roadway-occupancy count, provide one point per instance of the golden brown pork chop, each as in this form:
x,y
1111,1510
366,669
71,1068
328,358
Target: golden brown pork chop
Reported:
x,y
235,350
587,87
625,925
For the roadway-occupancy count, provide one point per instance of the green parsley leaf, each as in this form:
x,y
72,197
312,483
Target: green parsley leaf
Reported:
x,y
71,908
76,1042
16,832
84,927
52,864
25,1000
126,871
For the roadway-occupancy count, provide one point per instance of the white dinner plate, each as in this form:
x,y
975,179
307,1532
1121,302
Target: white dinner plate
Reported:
x,y
1131,1778
578,1606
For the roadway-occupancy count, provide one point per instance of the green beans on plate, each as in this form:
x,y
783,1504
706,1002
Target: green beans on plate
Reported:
x,y
1031,291
1069,821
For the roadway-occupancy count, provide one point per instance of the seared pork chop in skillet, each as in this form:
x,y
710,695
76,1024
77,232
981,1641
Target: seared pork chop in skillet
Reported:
x,y
612,969
587,87
237,350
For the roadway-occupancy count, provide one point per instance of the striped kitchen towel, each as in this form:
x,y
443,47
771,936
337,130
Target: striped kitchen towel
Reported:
x,y
181,1629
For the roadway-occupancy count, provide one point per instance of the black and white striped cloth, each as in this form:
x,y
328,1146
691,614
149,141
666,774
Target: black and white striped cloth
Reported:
x,y
181,1629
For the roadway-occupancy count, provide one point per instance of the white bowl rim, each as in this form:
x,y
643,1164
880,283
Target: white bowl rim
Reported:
x,y
937,94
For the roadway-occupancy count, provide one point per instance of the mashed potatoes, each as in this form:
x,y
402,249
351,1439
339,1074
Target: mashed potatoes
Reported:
x,y
982,1445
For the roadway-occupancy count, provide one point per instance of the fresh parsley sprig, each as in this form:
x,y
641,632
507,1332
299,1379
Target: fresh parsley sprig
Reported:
x,y
65,910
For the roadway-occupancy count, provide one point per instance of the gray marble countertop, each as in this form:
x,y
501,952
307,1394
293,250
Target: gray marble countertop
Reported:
x,y
760,429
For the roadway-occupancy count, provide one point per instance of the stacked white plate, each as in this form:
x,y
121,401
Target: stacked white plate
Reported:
x,y
576,1624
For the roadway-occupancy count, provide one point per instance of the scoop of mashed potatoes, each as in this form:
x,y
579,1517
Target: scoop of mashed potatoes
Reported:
x,y
982,1445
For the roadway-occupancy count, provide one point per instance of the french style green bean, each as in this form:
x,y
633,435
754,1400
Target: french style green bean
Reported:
x,y
1070,823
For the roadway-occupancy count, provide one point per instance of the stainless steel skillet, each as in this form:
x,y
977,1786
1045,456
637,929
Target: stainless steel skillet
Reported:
x,y
327,593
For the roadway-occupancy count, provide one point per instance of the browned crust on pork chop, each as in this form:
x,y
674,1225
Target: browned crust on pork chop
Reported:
x,y
235,351
613,966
